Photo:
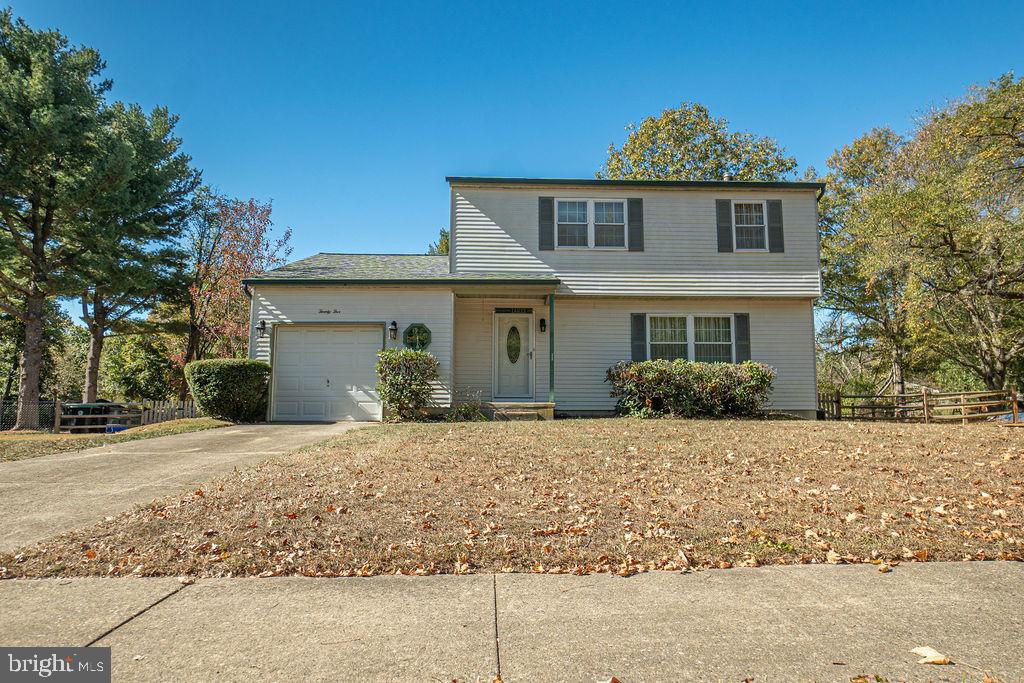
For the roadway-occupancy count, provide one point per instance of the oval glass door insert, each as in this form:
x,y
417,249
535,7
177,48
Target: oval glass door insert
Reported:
x,y
513,344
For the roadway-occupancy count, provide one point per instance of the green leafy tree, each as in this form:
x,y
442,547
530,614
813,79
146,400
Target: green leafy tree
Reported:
x,y
867,321
441,246
133,259
951,210
55,166
62,376
58,339
136,368
687,143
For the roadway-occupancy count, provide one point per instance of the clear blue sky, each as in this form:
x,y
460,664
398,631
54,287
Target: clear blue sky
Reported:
x,y
349,115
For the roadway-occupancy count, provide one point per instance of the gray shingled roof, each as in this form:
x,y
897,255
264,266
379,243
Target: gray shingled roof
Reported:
x,y
384,268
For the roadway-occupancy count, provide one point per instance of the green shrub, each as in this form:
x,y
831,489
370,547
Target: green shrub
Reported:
x,y
230,388
654,388
404,381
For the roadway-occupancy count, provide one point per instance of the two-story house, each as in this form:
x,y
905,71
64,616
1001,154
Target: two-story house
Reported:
x,y
547,284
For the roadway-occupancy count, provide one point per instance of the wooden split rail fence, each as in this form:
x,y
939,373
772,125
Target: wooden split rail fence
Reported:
x,y
963,406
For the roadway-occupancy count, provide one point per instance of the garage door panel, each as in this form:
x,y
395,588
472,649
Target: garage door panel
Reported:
x,y
326,373
287,384
287,410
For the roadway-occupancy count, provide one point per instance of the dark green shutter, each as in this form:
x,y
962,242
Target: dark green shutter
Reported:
x,y
638,336
775,241
546,223
636,224
742,323
723,213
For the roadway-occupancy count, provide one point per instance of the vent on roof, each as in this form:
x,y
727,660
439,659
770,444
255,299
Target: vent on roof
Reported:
x,y
727,176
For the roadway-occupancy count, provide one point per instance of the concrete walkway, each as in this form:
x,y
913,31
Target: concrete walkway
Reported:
x,y
770,624
41,497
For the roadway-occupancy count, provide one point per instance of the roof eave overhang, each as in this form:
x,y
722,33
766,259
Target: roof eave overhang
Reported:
x,y
652,184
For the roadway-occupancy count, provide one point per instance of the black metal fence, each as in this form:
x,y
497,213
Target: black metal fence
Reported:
x,y
42,409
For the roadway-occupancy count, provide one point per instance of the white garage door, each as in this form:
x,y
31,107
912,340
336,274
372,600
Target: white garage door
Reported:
x,y
324,374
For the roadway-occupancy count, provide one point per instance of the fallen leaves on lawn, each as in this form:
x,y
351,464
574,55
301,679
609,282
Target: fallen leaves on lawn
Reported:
x,y
930,656
613,496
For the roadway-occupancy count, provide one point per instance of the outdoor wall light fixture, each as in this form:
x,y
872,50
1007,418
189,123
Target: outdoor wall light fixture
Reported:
x,y
543,325
261,328
393,330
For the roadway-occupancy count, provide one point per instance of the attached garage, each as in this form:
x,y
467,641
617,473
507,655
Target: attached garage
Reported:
x,y
325,373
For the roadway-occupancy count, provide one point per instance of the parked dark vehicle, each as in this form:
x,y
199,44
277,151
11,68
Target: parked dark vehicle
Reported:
x,y
93,418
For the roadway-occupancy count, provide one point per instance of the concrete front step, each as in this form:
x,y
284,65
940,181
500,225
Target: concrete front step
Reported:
x,y
521,411
530,415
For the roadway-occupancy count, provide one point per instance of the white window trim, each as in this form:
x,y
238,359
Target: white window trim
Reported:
x,y
764,208
591,216
691,343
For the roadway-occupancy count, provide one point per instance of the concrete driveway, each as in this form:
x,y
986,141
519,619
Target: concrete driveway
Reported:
x,y
43,496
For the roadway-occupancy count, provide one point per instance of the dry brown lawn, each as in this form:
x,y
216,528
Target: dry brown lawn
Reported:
x,y
615,495
21,445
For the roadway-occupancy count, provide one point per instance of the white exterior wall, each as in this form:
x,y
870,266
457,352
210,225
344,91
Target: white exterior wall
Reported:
x,y
592,334
310,304
495,228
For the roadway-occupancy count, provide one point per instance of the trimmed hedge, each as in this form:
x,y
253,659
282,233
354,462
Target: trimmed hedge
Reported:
x,y
654,388
230,388
405,381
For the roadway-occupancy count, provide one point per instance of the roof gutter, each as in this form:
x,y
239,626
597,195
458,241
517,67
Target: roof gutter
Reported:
x,y
393,281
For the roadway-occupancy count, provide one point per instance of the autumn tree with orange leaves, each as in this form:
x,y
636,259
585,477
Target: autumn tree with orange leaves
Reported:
x,y
227,240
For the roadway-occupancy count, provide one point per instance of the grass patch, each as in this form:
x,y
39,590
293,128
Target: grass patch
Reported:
x,y
576,496
21,445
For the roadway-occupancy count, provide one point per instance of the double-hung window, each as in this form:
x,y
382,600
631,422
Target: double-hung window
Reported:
x,y
712,339
609,224
588,223
703,338
573,224
668,337
748,219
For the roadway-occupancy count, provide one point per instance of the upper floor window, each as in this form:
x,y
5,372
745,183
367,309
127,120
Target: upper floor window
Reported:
x,y
588,223
572,224
609,224
749,224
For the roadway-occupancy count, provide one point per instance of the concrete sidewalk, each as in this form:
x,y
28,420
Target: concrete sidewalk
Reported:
x,y
780,623
41,497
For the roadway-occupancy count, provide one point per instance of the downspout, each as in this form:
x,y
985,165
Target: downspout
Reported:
x,y
551,348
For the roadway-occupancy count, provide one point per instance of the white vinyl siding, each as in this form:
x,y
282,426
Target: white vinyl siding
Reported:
x,y
496,229
281,305
591,334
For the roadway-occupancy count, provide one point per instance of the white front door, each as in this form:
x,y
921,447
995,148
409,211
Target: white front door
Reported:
x,y
513,356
